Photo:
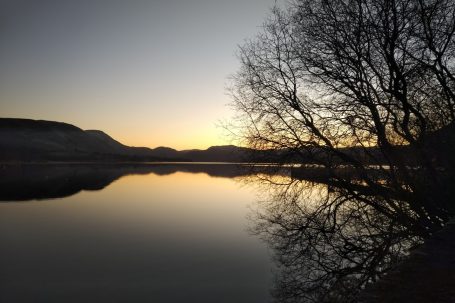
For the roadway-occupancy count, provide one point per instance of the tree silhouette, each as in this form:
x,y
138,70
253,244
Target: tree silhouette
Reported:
x,y
345,84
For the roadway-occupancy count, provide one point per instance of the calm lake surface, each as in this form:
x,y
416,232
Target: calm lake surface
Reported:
x,y
165,233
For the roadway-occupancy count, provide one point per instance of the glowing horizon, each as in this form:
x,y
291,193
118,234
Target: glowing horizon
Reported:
x,y
148,73
135,135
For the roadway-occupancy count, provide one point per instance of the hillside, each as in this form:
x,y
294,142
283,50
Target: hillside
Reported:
x,y
38,140
26,140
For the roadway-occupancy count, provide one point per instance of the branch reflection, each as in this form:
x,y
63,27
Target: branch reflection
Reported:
x,y
333,236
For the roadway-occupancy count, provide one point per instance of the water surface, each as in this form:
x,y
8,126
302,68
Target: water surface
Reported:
x,y
129,234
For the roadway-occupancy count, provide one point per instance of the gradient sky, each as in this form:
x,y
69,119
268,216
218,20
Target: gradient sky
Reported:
x,y
149,73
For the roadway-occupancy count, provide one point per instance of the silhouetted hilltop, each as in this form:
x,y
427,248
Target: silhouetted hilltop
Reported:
x,y
26,140
165,152
106,140
227,153
38,140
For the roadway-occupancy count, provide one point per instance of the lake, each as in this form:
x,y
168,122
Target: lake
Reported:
x,y
154,233
200,232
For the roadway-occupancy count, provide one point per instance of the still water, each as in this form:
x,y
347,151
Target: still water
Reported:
x,y
163,233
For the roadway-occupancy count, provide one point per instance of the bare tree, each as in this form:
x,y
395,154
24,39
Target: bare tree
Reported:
x,y
354,82
345,84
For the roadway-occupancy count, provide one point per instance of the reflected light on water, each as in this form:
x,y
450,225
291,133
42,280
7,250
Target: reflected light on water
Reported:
x,y
142,238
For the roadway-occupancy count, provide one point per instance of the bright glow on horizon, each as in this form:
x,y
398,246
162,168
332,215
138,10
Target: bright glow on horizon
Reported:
x,y
148,73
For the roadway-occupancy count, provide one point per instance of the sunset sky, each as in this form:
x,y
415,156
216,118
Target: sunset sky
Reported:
x,y
147,72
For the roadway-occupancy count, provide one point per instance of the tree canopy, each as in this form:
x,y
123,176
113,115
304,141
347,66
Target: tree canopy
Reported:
x,y
346,84
351,83
348,73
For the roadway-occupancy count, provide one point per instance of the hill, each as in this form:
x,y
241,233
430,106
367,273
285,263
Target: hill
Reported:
x,y
26,140
39,140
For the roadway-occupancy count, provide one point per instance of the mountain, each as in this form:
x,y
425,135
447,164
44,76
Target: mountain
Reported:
x,y
39,140
25,140
226,153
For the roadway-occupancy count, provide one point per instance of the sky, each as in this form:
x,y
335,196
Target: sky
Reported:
x,y
147,72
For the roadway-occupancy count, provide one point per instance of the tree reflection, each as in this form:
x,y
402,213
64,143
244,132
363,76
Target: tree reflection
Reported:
x,y
332,238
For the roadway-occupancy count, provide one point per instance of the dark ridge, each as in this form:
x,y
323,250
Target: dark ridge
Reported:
x,y
40,125
26,140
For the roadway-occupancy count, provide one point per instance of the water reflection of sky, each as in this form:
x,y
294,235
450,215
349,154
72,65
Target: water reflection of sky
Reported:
x,y
173,238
